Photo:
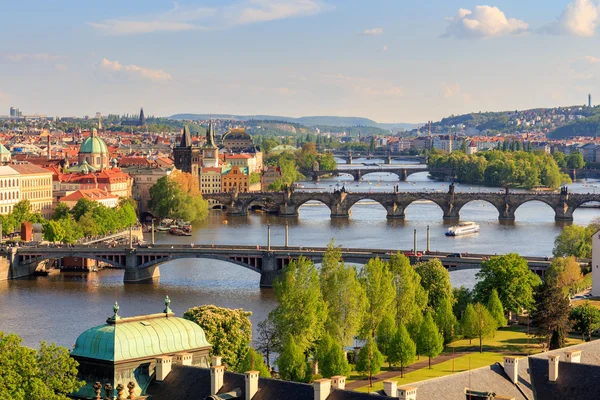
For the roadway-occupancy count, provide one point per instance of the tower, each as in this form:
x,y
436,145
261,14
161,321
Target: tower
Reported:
x,y
590,100
210,151
142,117
186,155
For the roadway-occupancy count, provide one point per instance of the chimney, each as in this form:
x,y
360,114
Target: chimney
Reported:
x,y
315,367
216,378
163,367
390,388
511,368
216,361
338,382
183,359
322,388
574,356
251,384
553,367
407,393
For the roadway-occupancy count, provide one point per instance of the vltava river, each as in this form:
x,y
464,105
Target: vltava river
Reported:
x,y
59,307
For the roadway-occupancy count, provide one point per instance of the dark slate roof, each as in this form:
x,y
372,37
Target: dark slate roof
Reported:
x,y
193,383
575,381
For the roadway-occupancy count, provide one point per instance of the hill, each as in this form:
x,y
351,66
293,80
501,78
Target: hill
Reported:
x,y
308,121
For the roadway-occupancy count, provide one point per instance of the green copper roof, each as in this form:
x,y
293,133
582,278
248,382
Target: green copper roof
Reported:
x,y
139,337
93,145
84,168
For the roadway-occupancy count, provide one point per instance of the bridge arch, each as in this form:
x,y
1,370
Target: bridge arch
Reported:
x,y
102,258
497,208
232,260
303,202
419,200
539,199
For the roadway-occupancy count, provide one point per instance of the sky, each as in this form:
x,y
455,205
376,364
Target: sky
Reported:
x,y
388,60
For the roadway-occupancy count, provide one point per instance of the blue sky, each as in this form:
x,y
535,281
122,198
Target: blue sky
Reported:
x,y
389,60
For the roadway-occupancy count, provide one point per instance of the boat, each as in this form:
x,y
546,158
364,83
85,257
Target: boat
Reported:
x,y
463,228
179,232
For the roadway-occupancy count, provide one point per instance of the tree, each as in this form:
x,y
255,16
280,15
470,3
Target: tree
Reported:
x,y
88,225
494,306
586,319
511,277
21,212
82,207
575,161
551,315
254,361
573,241
462,298
54,231
468,322
301,312
410,295
163,197
267,340
376,278
430,341
331,358
369,359
48,373
291,362
566,271
228,330
385,333
61,211
445,320
402,349
484,325
345,297
436,281
560,159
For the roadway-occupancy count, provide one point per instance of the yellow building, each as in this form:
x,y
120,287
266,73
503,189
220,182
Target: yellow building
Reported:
x,y
210,182
10,189
235,179
36,186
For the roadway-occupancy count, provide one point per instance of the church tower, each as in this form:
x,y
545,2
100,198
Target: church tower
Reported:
x,y
210,151
142,117
187,156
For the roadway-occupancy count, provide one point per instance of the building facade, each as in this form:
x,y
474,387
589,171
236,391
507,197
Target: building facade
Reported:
x,y
143,179
94,152
10,189
36,186
269,175
238,140
186,155
235,179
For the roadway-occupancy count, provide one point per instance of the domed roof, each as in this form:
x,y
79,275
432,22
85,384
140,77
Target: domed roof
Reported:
x,y
237,134
93,145
139,337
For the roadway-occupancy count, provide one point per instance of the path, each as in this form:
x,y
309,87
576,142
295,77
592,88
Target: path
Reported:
x,y
423,363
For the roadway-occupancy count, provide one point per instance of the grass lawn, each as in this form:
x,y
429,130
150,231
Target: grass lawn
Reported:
x,y
594,301
510,340
477,360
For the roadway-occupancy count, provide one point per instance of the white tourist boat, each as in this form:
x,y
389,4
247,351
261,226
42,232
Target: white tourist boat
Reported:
x,y
463,228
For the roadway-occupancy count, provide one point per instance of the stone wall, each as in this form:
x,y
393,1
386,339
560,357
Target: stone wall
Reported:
x,y
4,268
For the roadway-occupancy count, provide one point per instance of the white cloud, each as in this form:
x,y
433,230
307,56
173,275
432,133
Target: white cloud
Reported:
x,y
453,90
18,57
483,22
205,18
134,70
580,18
583,69
373,32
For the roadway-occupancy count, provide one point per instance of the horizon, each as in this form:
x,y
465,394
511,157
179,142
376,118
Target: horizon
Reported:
x,y
391,62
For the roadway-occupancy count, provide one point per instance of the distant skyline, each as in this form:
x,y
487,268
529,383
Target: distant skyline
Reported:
x,y
387,60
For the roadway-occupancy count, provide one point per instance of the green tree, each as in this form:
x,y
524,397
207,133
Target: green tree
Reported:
x,y
327,161
301,312
164,197
511,277
267,339
575,161
551,314
402,349
229,331
88,225
566,271
331,357
54,231
560,159
585,319
410,295
291,362
369,359
60,211
254,178
462,298
254,361
484,324
46,374
573,241
345,297
494,306
430,341
468,323
376,278
436,281
385,333
82,207
21,212
446,321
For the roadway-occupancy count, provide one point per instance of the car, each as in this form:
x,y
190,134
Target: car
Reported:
x,y
454,255
412,253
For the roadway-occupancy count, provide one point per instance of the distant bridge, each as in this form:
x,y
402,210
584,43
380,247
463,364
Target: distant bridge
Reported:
x,y
358,173
349,156
288,203
142,264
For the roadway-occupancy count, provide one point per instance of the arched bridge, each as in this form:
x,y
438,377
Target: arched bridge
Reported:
x,y
142,263
387,156
339,202
358,173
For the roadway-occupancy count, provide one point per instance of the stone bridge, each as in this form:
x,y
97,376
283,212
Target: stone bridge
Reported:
x,y
339,202
358,173
141,264
388,157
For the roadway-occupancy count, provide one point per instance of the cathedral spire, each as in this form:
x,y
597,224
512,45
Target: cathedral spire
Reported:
x,y
186,138
210,135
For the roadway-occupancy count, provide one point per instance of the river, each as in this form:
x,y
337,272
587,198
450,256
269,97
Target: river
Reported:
x,y
59,307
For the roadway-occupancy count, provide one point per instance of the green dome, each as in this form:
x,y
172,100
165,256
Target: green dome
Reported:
x,y
93,145
140,337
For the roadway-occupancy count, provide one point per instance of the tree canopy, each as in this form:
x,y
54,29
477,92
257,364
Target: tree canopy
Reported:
x,y
551,314
436,282
376,278
178,196
430,341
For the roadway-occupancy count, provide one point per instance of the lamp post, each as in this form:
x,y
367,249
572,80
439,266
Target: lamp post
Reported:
x,y
153,231
428,240
287,234
415,244
268,237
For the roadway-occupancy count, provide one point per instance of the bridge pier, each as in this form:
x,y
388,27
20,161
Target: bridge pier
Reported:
x,y
451,213
135,274
357,175
563,213
395,212
506,212
288,210
270,270
316,177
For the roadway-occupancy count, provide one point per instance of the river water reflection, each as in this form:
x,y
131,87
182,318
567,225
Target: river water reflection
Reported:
x,y
58,308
